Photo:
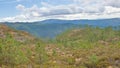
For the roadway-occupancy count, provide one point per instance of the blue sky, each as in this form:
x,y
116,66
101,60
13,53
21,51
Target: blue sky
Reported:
x,y
8,7
35,10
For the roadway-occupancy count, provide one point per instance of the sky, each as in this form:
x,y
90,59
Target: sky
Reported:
x,y
37,10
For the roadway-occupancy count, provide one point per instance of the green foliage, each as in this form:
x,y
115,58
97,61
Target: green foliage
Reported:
x,y
41,55
93,59
87,36
10,52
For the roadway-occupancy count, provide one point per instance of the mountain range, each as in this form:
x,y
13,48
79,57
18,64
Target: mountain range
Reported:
x,y
52,27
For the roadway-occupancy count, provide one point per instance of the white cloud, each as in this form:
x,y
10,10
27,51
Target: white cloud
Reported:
x,y
110,10
20,7
79,9
113,3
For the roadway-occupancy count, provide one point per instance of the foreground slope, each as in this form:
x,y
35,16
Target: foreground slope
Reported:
x,y
76,48
92,47
18,49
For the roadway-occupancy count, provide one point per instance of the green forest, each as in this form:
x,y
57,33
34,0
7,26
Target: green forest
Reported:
x,y
88,47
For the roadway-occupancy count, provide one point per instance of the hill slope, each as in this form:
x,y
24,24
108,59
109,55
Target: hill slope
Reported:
x,y
20,36
18,48
92,47
77,48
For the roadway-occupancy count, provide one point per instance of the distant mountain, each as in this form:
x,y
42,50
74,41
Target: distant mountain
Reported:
x,y
52,27
97,22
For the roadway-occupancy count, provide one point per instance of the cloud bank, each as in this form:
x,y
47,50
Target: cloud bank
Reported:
x,y
78,9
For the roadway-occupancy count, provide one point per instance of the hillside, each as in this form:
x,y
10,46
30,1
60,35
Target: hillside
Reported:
x,y
52,27
87,47
20,36
92,47
18,48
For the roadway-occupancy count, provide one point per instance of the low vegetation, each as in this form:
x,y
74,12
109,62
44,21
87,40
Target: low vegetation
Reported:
x,y
76,48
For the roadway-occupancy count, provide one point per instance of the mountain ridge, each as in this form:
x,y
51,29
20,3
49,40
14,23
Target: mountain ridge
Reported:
x,y
66,20
52,27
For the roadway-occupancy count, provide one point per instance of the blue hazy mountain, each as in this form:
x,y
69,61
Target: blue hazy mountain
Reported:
x,y
52,27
